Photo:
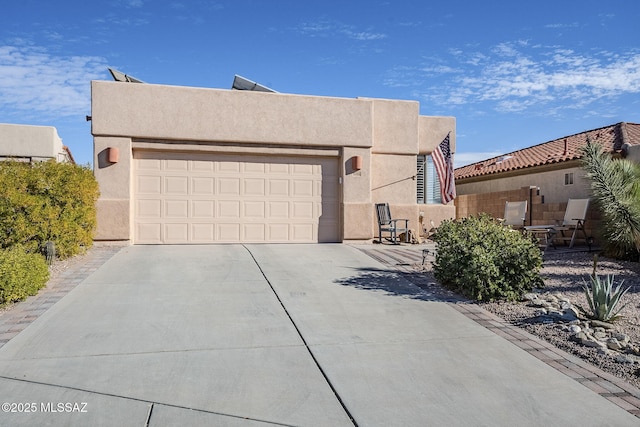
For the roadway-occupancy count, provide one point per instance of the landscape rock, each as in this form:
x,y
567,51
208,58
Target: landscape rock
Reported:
x,y
574,329
614,344
601,336
605,325
624,358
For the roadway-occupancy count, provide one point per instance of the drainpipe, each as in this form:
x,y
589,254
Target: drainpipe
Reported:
x,y
531,188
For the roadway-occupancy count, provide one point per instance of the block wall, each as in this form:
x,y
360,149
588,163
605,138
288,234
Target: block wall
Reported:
x,y
538,212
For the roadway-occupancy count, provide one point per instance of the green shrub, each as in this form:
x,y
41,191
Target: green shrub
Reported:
x,y
484,260
47,201
21,274
603,299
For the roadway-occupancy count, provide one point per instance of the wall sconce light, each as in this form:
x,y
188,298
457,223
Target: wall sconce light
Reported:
x,y
356,163
113,154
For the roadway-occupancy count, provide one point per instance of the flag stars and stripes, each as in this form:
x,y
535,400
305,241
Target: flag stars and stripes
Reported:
x,y
443,162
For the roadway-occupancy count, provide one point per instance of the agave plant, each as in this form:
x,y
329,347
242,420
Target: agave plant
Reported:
x,y
603,299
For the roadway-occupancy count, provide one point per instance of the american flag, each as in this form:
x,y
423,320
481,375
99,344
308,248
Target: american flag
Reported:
x,y
443,161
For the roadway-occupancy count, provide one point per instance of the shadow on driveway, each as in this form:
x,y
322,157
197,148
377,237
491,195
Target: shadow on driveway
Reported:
x,y
399,284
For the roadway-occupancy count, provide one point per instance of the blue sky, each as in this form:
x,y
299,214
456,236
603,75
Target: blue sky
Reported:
x,y
514,74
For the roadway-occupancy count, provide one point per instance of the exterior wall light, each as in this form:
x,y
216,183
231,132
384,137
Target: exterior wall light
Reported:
x,y
113,154
356,163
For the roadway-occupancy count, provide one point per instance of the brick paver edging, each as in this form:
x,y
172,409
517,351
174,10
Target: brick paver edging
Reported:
x,y
20,315
606,385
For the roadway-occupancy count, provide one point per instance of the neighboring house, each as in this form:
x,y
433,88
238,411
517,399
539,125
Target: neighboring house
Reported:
x,y
32,143
546,175
187,165
553,166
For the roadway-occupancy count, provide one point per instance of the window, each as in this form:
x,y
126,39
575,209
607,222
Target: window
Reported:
x,y
428,184
568,178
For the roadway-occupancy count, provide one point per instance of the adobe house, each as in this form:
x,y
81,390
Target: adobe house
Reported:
x,y
29,143
184,165
546,175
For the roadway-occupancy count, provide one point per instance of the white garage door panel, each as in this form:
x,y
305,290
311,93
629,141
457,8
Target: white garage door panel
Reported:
x,y
199,198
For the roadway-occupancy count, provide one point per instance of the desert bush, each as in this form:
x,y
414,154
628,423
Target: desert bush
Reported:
x,y
484,260
47,201
21,274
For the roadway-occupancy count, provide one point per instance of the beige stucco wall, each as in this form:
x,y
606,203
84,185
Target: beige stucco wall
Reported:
x,y
550,182
386,134
184,113
432,130
32,142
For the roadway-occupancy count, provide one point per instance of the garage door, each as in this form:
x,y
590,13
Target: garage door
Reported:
x,y
183,198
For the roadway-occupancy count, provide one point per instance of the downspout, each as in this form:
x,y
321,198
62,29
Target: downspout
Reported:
x,y
531,205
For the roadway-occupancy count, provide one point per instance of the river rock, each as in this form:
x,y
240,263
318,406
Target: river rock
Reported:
x,y
600,335
621,337
574,329
605,325
624,358
614,344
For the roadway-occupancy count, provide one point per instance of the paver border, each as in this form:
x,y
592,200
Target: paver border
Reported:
x,y
15,318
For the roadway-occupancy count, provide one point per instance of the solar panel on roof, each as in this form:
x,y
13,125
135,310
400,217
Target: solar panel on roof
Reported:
x,y
119,76
240,83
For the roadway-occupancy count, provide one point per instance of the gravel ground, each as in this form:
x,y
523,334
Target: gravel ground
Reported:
x,y
564,272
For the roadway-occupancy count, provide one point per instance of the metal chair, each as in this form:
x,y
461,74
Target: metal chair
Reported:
x,y
574,218
388,224
515,214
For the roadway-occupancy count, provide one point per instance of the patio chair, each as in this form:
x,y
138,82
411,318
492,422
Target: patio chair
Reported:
x,y
515,214
388,224
574,218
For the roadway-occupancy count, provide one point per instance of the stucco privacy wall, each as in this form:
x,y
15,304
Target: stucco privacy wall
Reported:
x,y
33,142
386,134
550,180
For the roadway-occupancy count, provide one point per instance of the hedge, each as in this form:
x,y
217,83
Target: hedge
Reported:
x,y
47,201
21,274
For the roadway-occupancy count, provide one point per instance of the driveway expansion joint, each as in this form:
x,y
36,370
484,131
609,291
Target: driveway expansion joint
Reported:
x,y
313,357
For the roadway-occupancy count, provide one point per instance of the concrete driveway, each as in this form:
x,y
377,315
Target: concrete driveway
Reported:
x,y
257,335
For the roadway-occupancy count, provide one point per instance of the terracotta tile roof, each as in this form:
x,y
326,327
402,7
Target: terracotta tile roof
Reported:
x,y
556,151
68,151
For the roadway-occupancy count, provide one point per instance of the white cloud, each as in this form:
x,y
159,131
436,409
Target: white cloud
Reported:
x,y
331,28
363,35
135,3
463,159
570,25
515,77
32,81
